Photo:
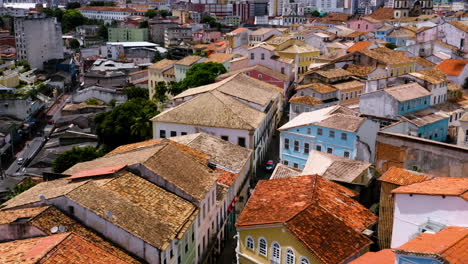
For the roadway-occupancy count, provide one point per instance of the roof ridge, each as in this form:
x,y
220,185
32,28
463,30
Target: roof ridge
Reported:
x,y
229,108
453,244
66,235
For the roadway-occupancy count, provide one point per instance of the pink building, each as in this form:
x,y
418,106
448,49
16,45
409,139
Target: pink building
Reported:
x,y
364,24
265,55
206,36
453,33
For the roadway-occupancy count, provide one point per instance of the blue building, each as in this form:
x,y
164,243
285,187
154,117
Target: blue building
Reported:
x,y
336,130
382,32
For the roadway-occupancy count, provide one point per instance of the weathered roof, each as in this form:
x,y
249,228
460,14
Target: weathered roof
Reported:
x,y
462,25
336,168
333,73
61,248
305,100
382,14
403,177
299,49
385,256
318,87
259,68
189,60
284,171
107,8
239,30
424,117
423,62
349,85
386,55
433,75
261,31
162,64
213,109
450,244
447,186
301,204
453,67
220,57
407,92
355,34
451,86
240,86
360,45
359,70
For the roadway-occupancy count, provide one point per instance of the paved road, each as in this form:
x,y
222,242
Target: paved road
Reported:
x,y
27,154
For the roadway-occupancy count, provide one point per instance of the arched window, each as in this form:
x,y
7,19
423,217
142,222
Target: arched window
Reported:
x,y
290,258
304,260
262,247
275,252
249,243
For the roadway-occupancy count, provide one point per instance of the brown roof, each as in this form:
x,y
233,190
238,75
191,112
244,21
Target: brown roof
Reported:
x,y
423,62
450,243
451,86
439,186
220,57
349,85
387,56
301,204
61,248
360,45
462,25
189,60
162,64
333,73
423,117
259,68
305,100
341,122
453,67
407,92
433,75
359,70
107,8
403,177
385,256
284,171
318,87
382,14
261,31
355,34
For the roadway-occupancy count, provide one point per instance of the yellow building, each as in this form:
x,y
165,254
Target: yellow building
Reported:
x,y
394,63
304,220
302,53
10,79
161,71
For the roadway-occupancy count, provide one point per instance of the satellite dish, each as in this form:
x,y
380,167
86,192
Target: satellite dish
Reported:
x,y
109,214
54,229
62,229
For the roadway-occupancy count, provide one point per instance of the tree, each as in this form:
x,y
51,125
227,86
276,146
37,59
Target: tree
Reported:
x,y
143,24
71,19
45,89
169,55
151,13
136,92
73,5
157,57
160,92
211,21
73,156
315,13
202,74
74,44
390,45
120,125
23,186
101,3
164,13
103,32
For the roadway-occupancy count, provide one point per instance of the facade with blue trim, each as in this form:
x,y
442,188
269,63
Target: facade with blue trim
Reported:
x,y
404,259
413,105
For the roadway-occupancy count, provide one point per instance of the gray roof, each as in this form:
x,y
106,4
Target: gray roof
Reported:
x,y
407,92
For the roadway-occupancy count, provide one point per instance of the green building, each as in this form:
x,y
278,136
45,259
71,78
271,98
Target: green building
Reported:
x,y
128,34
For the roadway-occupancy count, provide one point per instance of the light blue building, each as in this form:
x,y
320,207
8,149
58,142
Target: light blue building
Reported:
x,y
336,130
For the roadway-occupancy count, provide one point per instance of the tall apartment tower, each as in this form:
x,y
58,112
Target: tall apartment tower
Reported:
x,y
38,39
401,8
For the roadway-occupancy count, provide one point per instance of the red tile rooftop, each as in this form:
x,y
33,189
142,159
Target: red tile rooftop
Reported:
x,y
439,186
97,172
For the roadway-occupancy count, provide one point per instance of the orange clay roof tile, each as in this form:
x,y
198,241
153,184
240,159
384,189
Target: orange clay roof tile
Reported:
x,y
403,177
359,46
452,67
439,186
385,256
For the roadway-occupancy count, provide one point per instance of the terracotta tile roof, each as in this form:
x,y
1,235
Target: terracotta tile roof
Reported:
x,y
220,57
333,73
129,147
162,64
189,60
407,92
462,25
318,87
433,75
355,34
305,100
284,171
423,62
423,117
359,70
261,31
10,216
360,45
387,56
238,30
453,67
403,177
259,68
97,172
107,8
385,256
226,177
61,248
382,14
450,244
354,84
301,204
451,86
439,186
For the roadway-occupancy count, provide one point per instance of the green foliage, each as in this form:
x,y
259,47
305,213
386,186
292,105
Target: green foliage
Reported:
x,y
315,13
73,156
136,92
57,12
143,24
211,21
72,5
23,63
71,19
28,183
101,3
92,101
151,13
164,13
103,32
201,74
160,92
200,53
45,89
169,55
112,102
157,57
126,123
74,44
390,46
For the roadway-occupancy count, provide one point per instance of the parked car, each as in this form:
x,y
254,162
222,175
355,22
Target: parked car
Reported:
x,y
20,161
270,165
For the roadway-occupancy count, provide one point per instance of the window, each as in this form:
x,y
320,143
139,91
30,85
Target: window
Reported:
x,y
304,260
346,154
173,133
282,70
262,247
297,109
296,145
286,143
262,56
71,210
249,243
241,141
162,133
171,253
330,150
275,252
193,236
226,138
285,162
319,131
331,133
344,136
306,148
252,56
260,76
295,165
290,258
309,130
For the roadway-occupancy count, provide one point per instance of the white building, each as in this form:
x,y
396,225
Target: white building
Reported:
x,y
107,13
429,206
462,135
38,39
